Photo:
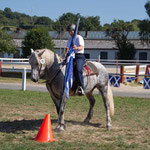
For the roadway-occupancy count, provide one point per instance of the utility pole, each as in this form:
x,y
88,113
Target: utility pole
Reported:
x,y
59,36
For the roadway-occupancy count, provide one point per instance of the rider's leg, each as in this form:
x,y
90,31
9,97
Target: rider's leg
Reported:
x,y
80,60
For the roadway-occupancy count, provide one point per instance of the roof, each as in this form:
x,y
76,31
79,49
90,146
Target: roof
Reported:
x,y
91,35
100,44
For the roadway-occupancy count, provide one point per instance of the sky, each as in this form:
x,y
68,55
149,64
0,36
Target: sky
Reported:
x,y
107,10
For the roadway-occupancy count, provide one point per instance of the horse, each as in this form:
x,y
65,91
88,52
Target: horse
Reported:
x,y
45,62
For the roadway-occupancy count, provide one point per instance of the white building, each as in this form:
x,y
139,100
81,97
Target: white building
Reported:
x,y
96,44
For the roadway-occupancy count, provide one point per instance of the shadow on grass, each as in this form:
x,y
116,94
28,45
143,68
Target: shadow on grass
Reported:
x,y
98,125
22,125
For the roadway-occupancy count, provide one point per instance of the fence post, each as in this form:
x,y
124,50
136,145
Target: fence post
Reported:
x,y
24,79
99,58
0,67
122,73
146,71
137,73
116,63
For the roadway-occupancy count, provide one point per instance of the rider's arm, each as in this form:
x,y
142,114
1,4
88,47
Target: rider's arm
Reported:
x,y
66,51
80,47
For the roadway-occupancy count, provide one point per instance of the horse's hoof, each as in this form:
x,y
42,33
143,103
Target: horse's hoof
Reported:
x,y
109,127
86,121
60,128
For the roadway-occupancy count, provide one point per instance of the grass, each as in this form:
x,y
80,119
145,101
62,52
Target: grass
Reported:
x,y
22,113
17,80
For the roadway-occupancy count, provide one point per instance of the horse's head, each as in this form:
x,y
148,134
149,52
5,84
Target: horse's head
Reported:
x,y
38,64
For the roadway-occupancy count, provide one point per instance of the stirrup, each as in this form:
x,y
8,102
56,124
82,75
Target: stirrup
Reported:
x,y
80,91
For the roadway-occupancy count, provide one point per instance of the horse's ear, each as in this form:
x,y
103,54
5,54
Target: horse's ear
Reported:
x,y
32,51
41,53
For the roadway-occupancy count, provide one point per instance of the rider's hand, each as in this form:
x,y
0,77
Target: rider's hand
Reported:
x,y
75,47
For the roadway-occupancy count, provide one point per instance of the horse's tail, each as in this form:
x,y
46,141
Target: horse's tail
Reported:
x,y
111,100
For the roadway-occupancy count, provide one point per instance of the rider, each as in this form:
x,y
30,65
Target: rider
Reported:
x,y
79,59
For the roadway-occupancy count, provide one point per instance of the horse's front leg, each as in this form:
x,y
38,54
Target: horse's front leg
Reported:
x,y
61,122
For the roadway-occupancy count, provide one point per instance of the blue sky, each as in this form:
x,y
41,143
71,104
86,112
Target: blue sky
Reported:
x,y
108,10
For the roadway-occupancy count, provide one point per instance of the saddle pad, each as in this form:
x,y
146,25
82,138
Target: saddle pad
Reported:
x,y
88,71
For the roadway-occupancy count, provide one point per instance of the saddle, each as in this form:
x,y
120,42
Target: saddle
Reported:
x,y
89,70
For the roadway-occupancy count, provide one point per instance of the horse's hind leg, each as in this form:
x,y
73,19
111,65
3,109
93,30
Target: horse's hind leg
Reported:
x,y
92,102
103,90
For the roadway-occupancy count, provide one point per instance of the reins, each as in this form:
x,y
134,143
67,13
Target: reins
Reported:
x,y
54,76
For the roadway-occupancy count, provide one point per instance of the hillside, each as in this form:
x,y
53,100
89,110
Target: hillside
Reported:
x,y
9,18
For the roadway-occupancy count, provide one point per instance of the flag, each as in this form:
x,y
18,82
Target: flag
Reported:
x,y
68,79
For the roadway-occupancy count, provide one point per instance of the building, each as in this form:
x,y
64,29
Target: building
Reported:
x,y
97,44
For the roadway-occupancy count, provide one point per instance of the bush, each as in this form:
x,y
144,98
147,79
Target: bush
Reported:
x,y
37,38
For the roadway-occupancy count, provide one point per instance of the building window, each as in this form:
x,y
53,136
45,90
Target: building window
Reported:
x,y
116,55
87,56
1,55
103,55
142,55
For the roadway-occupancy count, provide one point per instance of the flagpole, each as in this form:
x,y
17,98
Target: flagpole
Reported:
x,y
76,31
63,97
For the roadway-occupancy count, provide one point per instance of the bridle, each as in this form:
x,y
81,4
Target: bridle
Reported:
x,y
42,62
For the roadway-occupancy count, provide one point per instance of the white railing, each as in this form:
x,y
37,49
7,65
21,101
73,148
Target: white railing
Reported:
x,y
14,59
16,63
24,74
120,62
111,63
103,61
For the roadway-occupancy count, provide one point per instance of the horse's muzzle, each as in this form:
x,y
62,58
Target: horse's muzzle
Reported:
x,y
34,80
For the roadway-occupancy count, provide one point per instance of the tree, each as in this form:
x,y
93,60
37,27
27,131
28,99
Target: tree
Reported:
x,y
6,43
86,23
145,31
66,19
8,13
147,7
144,26
44,21
37,38
135,24
90,23
106,27
119,31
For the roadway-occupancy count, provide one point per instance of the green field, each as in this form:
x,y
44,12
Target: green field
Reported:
x,y
22,113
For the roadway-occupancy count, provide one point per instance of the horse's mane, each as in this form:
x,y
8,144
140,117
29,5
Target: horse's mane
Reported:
x,y
50,51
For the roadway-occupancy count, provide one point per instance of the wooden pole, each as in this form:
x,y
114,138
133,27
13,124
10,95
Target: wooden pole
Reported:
x,y
122,73
146,71
0,67
137,73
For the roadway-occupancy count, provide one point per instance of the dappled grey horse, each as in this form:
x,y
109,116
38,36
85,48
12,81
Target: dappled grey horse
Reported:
x,y
46,62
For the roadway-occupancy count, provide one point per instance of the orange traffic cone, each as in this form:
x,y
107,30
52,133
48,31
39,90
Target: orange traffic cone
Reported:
x,y
45,132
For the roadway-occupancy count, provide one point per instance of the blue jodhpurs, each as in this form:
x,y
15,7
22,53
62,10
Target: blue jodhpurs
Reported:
x,y
78,68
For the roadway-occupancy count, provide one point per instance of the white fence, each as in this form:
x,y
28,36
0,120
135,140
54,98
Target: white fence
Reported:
x,y
13,61
24,74
110,63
